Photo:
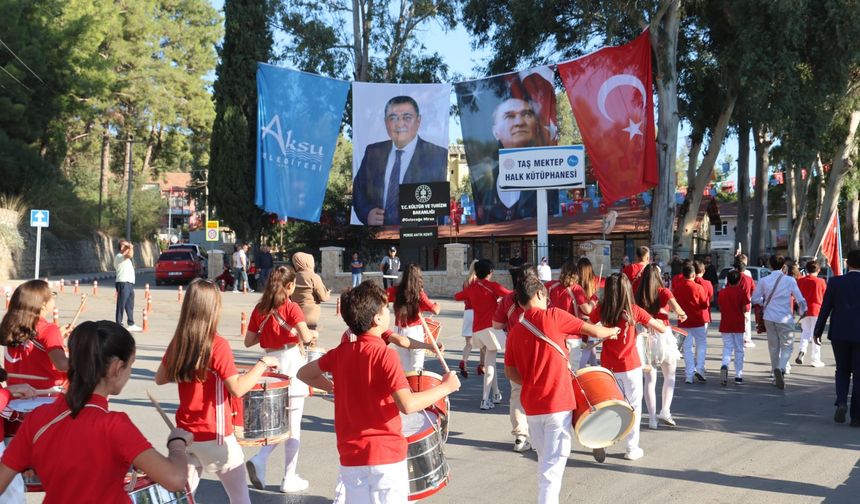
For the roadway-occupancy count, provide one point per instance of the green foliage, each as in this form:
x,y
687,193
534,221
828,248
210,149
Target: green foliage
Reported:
x,y
247,40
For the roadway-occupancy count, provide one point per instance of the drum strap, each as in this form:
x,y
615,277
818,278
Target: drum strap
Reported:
x,y
540,335
59,418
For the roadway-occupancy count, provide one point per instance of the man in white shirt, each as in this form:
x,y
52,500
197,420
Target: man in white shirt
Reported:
x,y
774,293
544,271
124,266
240,267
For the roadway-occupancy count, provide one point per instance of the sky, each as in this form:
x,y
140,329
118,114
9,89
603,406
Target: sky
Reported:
x,y
463,61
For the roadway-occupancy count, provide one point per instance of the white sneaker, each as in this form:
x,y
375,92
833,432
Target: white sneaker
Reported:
x,y
497,397
294,484
652,423
817,364
635,454
256,473
749,344
134,328
666,419
787,369
235,291
487,404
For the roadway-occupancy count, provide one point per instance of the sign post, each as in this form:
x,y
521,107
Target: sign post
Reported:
x,y
38,220
539,169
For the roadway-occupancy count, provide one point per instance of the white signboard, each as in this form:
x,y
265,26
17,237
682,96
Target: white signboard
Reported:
x,y
530,168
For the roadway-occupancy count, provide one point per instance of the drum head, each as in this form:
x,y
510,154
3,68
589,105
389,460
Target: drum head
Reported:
x,y
28,405
604,426
416,424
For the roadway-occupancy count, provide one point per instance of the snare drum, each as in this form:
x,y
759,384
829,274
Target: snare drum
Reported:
x,y
425,458
265,412
17,410
146,491
314,353
602,415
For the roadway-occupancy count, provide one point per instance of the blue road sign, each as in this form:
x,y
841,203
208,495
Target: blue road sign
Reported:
x,y
39,218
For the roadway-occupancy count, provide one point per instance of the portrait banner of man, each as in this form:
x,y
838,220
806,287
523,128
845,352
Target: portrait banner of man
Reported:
x,y
506,111
400,136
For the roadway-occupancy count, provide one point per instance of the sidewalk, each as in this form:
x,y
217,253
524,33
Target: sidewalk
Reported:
x,y
82,278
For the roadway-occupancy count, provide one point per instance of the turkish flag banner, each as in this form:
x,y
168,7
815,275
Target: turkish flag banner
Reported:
x,y
831,245
611,96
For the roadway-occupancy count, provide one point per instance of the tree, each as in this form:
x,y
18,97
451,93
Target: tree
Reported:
x,y
247,40
522,34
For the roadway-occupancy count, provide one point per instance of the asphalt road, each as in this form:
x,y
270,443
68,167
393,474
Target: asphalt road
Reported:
x,y
750,443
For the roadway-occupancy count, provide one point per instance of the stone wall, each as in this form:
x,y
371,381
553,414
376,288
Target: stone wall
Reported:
x,y
60,257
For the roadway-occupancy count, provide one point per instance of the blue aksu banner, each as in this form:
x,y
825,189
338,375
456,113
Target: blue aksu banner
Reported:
x,y
298,121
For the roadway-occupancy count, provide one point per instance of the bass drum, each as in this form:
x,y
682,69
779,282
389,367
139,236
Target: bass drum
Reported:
x,y
602,415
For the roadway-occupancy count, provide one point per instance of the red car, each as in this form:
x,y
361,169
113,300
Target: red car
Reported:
x,y
177,265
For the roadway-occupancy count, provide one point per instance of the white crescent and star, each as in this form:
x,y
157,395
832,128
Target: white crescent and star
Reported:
x,y
618,80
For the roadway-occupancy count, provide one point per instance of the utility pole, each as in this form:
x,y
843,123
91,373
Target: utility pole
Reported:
x,y
130,140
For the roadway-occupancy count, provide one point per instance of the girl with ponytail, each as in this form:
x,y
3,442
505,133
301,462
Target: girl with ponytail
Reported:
x,y
34,346
278,325
409,301
80,449
201,363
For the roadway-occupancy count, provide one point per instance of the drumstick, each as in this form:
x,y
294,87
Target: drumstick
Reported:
x,y
160,411
26,376
433,342
80,309
49,391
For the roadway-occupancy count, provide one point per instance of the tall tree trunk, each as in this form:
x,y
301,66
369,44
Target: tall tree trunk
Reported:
x,y
361,12
742,231
693,157
852,216
842,164
104,175
664,42
791,210
147,152
763,141
127,145
696,185
801,198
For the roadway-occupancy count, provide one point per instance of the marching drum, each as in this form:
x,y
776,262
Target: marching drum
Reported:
x,y
602,415
265,412
17,410
314,353
423,380
425,458
142,490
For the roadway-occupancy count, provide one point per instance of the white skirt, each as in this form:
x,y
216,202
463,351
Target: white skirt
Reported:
x,y
291,361
468,318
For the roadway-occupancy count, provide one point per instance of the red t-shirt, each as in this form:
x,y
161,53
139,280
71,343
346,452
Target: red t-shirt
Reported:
x,y
508,312
663,297
366,419
676,280
32,357
708,287
484,296
5,397
812,289
693,300
82,459
620,354
634,274
551,287
569,299
273,336
748,285
424,305
547,385
349,337
733,301
199,401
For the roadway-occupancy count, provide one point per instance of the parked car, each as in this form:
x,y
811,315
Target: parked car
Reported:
x,y
757,273
178,265
199,252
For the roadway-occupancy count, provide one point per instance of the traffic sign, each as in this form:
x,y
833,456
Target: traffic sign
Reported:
x,y
212,230
39,218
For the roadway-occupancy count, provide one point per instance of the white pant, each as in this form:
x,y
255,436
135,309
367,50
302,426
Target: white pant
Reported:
x,y
747,326
631,385
780,343
14,493
807,325
411,359
734,343
519,422
227,461
550,436
693,363
374,484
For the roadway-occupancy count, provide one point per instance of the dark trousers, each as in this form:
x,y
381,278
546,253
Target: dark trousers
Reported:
x,y
847,356
125,302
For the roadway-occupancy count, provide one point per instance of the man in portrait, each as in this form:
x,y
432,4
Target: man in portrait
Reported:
x,y
404,159
515,124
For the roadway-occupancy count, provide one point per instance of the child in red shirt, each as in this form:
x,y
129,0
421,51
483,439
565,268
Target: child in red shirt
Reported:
x,y
278,325
634,270
409,301
620,355
658,301
468,317
484,296
80,449
694,301
536,359
734,302
201,363
34,346
371,392
812,289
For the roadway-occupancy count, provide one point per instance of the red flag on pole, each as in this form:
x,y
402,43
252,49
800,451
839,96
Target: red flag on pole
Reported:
x,y
831,244
611,95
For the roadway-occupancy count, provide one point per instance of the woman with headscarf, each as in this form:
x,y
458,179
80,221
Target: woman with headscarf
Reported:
x,y
310,290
